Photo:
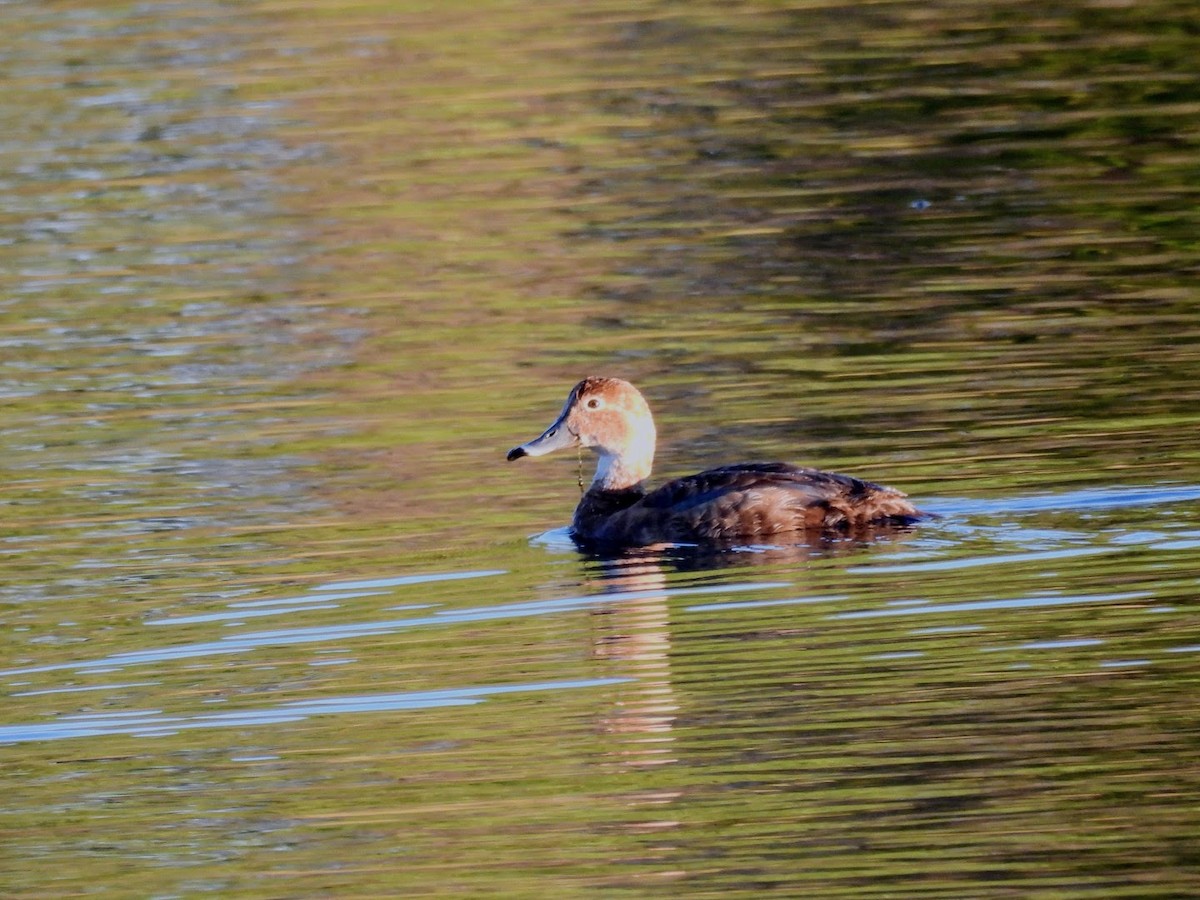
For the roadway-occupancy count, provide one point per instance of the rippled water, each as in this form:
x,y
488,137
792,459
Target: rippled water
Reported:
x,y
281,284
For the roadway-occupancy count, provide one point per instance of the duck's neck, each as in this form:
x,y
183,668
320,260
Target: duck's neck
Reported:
x,y
619,473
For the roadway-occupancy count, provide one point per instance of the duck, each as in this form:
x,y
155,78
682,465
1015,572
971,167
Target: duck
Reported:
x,y
743,502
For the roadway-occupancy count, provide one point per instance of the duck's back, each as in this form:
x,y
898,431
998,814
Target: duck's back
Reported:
x,y
746,501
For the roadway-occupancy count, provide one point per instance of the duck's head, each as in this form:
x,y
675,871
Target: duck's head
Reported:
x,y
610,417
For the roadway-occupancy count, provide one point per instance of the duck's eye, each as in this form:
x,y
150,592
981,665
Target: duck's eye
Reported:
x,y
593,403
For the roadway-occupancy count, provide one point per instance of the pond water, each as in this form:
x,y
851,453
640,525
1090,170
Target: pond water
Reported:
x,y
283,281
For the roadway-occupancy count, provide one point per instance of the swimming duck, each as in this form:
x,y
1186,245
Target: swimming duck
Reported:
x,y
731,503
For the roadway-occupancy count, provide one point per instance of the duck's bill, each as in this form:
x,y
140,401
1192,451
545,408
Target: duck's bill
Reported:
x,y
557,437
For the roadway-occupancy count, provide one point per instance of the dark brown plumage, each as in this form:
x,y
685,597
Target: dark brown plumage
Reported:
x,y
748,501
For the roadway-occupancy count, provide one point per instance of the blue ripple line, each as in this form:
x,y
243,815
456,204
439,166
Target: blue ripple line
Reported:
x,y
938,565
151,723
1086,498
750,604
1015,603
409,579
244,643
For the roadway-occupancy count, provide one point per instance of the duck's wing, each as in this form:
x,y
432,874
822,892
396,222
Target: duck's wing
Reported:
x,y
759,499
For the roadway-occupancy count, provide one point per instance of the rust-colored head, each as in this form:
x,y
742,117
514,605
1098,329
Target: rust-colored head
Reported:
x,y
610,417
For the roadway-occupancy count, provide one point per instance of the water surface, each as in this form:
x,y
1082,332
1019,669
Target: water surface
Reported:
x,y
283,282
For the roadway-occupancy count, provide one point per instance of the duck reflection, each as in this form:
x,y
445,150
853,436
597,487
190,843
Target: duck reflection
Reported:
x,y
635,635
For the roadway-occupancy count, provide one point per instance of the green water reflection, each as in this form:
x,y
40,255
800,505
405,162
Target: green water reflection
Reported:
x,y
281,284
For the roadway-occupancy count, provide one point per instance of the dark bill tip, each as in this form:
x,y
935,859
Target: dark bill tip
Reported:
x,y
515,453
